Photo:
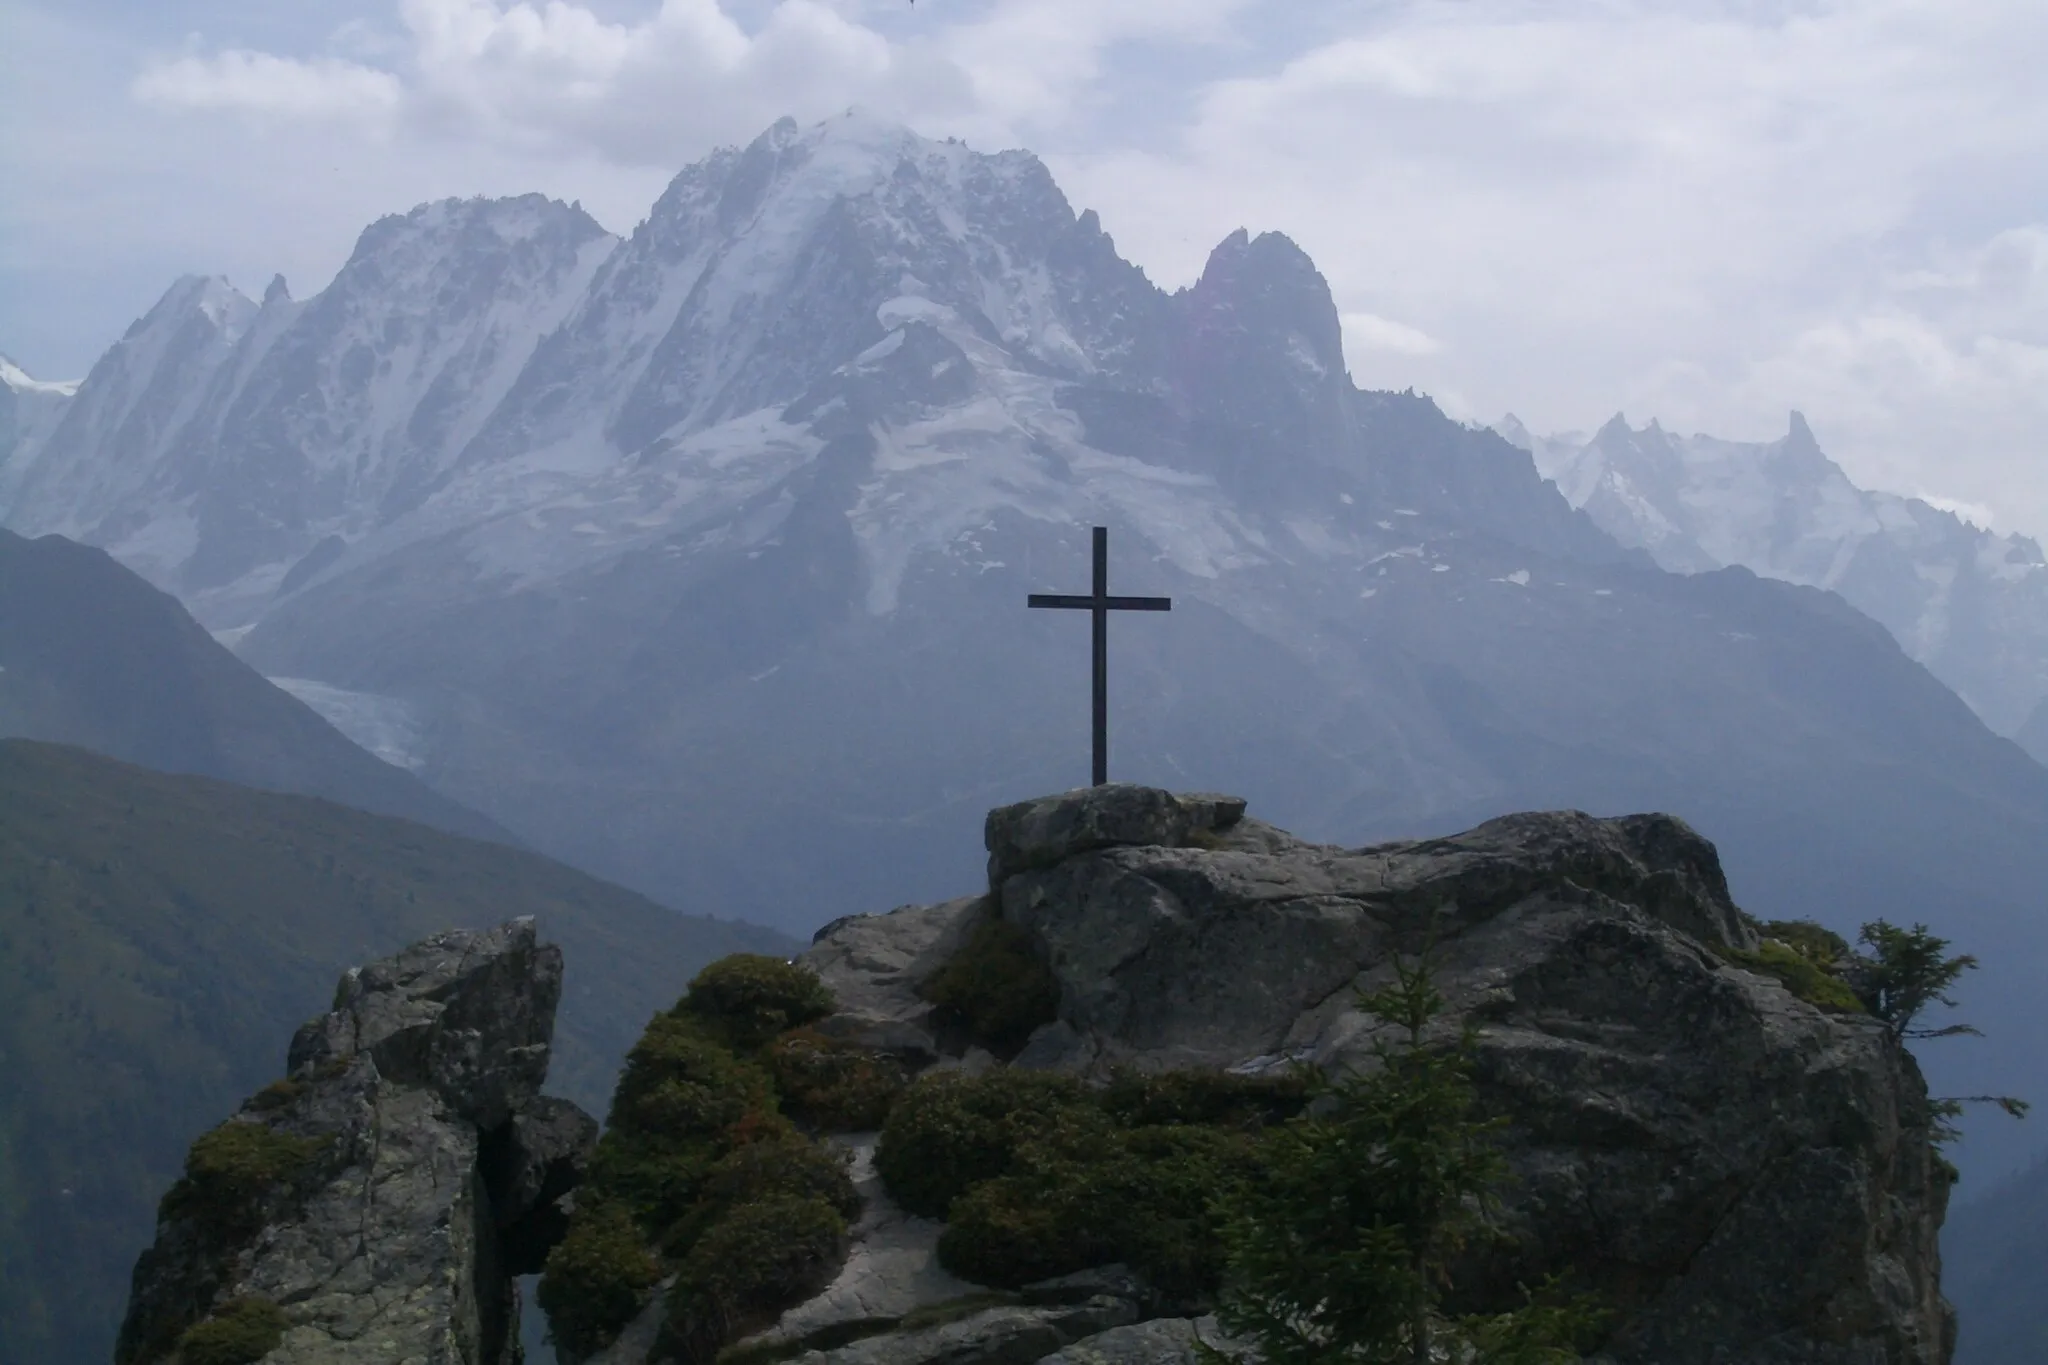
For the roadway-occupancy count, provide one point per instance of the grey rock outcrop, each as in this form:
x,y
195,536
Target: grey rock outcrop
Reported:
x,y
382,1197
1039,834
1742,1176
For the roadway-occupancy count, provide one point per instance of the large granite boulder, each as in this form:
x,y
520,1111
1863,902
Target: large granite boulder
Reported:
x,y
1745,1177
375,1204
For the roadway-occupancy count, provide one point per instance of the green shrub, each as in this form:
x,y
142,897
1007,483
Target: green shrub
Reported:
x,y
679,1080
1006,1232
657,1179
832,1085
951,1131
757,1260
697,1152
1801,976
231,1171
1155,1202
238,1332
1082,1195
276,1096
789,1166
1217,1098
997,987
748,998
597,1278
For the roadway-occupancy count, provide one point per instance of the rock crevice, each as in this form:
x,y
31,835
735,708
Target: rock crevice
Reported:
x,y
381,1198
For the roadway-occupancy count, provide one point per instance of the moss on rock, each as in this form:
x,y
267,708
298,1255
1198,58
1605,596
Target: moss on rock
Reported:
x,y
1805,964
238,1332
232,1170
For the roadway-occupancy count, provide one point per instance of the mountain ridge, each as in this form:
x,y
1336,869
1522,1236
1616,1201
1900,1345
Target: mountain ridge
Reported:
x,y
1970,603
92,655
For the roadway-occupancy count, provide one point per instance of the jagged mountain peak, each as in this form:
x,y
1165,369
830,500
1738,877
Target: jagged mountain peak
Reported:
x,y
507,220
1268,287
211,297
1615,428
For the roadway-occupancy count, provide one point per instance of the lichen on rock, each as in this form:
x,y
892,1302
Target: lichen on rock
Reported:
x,y
375,1204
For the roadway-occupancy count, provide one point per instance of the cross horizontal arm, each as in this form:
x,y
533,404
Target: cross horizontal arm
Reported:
x,y
1087,603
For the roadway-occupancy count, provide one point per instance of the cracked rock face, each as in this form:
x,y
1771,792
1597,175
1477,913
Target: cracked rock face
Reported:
x,y
417,1170
1743,1176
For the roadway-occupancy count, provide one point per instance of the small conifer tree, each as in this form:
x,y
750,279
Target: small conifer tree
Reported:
x,y
1341,1252
1903,973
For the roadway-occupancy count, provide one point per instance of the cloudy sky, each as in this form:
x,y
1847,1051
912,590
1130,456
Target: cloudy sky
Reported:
x,y
1703,211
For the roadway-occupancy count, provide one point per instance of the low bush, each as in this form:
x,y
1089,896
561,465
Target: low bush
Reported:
x,y
830,1085
277,1096
231,1171
1006,1232
775,1168
597,1277
997,987
1217,1098
951,1131
699,1168
657,1178
748,998
680,1080
1080,1195
755,1261
238,1332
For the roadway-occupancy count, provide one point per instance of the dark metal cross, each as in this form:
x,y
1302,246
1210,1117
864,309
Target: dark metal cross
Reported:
x,y
1102,604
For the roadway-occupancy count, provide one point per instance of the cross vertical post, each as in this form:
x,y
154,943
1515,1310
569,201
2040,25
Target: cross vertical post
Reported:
x,y
1099,604
1101,623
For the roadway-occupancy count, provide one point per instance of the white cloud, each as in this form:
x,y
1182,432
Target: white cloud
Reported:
x,y
258,82
1710,212
1371,332
555,78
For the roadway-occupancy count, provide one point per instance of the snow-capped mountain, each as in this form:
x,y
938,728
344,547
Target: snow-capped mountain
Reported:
x,y
221,439
698,557
1969,603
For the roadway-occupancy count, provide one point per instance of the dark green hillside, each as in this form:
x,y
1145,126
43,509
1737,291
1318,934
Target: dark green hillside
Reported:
x,y
161,937
90,654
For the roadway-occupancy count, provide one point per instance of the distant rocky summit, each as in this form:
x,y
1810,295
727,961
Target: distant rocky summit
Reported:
x,y
376,1203
1737,1172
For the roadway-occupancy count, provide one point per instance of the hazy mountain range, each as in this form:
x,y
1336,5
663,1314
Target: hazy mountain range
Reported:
x,y
1969,603
92,655
697,558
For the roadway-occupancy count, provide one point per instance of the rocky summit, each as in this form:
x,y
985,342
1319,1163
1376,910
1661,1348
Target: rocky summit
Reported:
x,y
1736,1172
1745,1176
376,1204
